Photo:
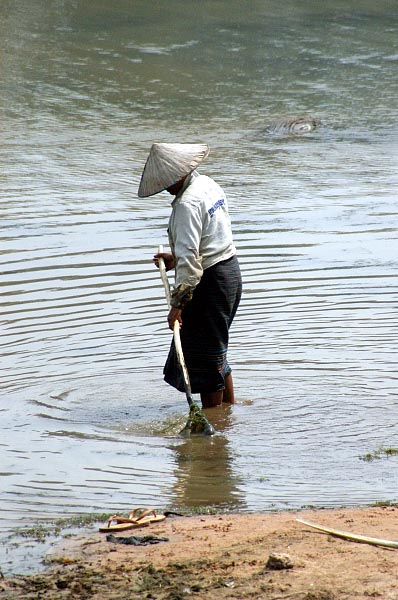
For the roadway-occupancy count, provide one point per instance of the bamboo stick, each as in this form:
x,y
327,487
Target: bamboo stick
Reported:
x,y
351,536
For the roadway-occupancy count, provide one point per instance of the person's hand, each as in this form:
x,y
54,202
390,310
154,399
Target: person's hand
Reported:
x,y
168,258
174,315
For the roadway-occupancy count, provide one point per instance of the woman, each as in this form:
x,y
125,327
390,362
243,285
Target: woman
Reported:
x,y
207,276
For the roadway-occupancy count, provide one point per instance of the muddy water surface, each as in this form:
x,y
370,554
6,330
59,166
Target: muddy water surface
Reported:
x,y
87,423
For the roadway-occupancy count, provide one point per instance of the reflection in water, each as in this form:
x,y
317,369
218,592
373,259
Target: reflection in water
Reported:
x,y
205,474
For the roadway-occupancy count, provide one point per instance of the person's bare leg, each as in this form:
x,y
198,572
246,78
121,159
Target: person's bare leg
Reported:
x,y
211,399
228,392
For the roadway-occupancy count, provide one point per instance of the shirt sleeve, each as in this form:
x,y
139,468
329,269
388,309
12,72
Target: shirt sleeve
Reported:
x,y
187,234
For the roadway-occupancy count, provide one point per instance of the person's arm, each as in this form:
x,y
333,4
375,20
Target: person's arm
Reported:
x,y
168,258
187,234
169,263
173,316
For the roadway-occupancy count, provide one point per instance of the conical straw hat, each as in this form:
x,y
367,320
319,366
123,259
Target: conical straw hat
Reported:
x,y
167,164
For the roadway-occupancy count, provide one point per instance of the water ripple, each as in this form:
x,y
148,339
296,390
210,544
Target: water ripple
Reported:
x,y
87,422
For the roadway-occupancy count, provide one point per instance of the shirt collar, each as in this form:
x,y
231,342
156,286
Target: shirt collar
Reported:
x,y
187,183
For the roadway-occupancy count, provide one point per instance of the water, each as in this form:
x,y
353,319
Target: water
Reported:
x,y
87,422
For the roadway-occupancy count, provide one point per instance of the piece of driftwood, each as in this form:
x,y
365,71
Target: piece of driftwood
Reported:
x,y
353,537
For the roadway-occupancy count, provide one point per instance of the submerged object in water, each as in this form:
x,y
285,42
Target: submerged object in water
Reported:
x,y
197,422
293,125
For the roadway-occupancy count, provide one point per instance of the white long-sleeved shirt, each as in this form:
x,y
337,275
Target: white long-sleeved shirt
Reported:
x,y
200,233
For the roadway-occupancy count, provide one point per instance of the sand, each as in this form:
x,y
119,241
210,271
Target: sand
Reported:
x,y
225,556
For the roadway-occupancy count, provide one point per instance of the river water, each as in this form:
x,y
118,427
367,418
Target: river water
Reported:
x,y
87,422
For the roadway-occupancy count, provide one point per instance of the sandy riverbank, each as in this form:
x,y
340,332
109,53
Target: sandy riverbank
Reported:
x,y
225,556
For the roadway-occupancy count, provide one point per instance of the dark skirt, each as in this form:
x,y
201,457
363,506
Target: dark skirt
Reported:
x,y
205,330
